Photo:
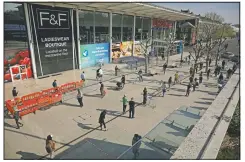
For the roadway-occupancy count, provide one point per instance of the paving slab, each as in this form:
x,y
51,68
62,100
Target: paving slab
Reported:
x,y
71,125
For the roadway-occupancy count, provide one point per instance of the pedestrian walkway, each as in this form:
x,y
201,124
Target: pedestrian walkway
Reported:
x,y
76,131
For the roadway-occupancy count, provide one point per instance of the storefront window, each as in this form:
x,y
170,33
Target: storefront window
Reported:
x,y
146,28
138,28
86,27
128,24
16,47
102,23
116,27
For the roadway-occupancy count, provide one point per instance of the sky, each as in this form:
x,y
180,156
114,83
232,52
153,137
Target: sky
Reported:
x,y
229,11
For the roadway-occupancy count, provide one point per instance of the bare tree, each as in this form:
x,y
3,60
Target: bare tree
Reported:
x,y
196,54
170,45
145,48
208,33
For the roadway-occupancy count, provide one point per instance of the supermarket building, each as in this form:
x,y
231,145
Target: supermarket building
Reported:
x,y
49,38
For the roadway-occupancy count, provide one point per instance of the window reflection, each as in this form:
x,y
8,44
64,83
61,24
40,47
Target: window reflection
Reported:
x,y
86,29
116,27
128,23
102,23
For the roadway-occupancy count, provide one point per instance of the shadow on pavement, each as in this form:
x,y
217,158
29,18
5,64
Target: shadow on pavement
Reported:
x,y
95,95
111,112
198,107
175,127
34,136
177,134
28,155
69,104
189,114
8,125
177,95
84,126
204,103
100,149
177,89
208,99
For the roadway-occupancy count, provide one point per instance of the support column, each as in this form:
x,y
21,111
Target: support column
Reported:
x,y
122,28
110,36
133,37
30,40
175,23
94,25
78,39
73,42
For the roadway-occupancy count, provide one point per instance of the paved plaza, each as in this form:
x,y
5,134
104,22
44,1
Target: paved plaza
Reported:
x,y
75,129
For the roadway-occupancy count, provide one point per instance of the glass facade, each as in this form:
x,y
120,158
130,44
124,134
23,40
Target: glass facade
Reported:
x,y
86,27
16,46
128,24
93,28
138,28
102,24
116,27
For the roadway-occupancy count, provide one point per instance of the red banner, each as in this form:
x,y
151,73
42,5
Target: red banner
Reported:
x,y
162,23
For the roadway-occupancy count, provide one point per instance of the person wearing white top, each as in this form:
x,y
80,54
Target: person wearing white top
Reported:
x,y
83,76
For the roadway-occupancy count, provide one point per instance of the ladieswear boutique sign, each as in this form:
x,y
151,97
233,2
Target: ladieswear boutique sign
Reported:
x,y
53,43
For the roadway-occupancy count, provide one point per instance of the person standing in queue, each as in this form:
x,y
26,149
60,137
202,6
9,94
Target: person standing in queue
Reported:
x,y
191,70
208,74
176,77
16,118
102,119
200,78
14,92
102,91
124,101
123,80
54,84
165,67
169,82
80,97
144,96
188,89
164,88
50,145
116,70
131,108
223,64
229,73
140,75
136,145
221,77
210,61
191,79
83,76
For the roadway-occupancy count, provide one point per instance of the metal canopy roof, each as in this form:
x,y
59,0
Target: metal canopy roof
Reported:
x,y
130,8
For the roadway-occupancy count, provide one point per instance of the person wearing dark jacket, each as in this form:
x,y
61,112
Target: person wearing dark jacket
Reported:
x,y
14,92
131,108
223,64
221,77
50,145
191,79
200,78
188,89
102,89
136,145
54,84
123,80
229,73
169,82
165,67
116,70
80,97
208,73
102,119
16,118
144,96
210,61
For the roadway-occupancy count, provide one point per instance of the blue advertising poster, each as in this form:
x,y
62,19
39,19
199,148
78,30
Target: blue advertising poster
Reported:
x,y
93,54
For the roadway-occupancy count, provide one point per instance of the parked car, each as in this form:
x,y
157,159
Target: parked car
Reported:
x,y
227,55
235,59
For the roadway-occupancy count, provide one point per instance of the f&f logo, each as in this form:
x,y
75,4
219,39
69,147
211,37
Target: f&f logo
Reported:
x,y
53,19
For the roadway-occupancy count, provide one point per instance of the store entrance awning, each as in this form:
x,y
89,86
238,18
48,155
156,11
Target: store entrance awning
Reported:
x,y
137,9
